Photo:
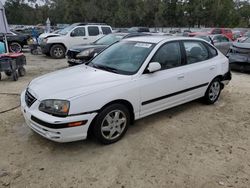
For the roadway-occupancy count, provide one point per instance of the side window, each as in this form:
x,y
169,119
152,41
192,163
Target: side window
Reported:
x,y
106,30
169,55
213,52
78,32
195,52
93,30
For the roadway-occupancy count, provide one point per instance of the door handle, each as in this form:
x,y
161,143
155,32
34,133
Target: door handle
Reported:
x,y
85,38
180,77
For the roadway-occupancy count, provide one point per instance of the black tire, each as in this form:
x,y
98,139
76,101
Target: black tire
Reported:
x,y
21,71
8,73
57,51
15,47
213,91
0,76
101,123
15,76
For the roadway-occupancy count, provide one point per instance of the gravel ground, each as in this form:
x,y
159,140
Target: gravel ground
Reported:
x,y
189,146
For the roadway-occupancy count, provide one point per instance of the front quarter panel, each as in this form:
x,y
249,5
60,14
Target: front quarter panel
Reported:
x,y
96,101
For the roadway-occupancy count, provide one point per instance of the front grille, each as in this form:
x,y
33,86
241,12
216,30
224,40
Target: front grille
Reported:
x,y
29,99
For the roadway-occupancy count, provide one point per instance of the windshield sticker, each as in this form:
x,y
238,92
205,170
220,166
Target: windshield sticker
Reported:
x,y
143,45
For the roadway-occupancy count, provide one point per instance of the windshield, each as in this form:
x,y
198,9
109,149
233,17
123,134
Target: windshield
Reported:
x,y
67,29
124,57
109,39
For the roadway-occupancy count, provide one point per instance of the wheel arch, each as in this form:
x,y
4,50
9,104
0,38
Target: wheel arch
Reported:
x,y
118,101
58,43
220,77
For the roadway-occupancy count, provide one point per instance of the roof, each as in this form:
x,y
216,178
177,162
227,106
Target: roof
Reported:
x,y
157,39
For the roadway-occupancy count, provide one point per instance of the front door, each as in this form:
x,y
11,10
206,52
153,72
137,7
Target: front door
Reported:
x,y
162,89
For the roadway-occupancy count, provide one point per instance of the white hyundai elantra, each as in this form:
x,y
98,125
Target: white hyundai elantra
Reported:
x,y
129,80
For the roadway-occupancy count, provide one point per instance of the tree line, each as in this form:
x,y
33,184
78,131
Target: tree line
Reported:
x,y
126,13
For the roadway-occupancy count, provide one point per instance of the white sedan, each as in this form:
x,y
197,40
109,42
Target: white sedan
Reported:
x,y
129,80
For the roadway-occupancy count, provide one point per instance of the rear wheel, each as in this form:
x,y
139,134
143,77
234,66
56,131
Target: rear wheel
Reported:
x,y
213,91
111,124
15,47
57,51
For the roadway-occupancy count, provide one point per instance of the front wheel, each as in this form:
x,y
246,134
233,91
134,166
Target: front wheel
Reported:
x,y
15,47
57,51
111,124
213,91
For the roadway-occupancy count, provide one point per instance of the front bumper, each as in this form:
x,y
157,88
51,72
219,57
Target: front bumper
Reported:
x,y
45,48
37,121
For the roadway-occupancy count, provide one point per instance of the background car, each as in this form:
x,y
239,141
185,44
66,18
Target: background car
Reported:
x,y
244,37
224,31
239,56
220,41
16,41
138,29
75,34
83,53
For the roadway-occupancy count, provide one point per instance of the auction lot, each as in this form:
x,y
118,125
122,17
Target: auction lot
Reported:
x,y
193,145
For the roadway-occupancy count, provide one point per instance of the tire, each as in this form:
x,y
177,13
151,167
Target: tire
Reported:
x,y
15,76
15,47
213,91
111,123
0,76
57,51
21,71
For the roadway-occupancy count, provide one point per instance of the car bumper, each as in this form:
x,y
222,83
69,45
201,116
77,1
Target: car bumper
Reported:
x,y
72,61
45,48
226,78
238,58
38,122
243,67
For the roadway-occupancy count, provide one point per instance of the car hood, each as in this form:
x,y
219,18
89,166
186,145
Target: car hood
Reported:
x,y
83,47
73,82
242,45
46,35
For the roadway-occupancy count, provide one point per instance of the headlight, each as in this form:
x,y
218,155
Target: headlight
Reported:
x,y
85,53
55,107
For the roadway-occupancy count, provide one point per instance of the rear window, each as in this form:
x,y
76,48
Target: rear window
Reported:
x,y
93,30
106,30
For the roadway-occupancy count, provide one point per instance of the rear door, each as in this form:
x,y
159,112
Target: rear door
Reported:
x,y
93,33
200,69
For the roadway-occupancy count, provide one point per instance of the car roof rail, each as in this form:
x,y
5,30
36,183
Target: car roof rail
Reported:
x,y
86,23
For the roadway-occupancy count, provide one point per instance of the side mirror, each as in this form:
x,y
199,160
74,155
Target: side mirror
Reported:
x,y
95,54
153,67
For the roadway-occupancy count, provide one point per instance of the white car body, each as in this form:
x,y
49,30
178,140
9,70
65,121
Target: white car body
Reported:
x,y
89,89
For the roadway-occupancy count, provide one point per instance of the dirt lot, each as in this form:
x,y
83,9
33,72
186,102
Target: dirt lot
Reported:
x,y
190,146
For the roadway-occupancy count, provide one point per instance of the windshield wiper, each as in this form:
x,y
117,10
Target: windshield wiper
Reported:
x,y
102,67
